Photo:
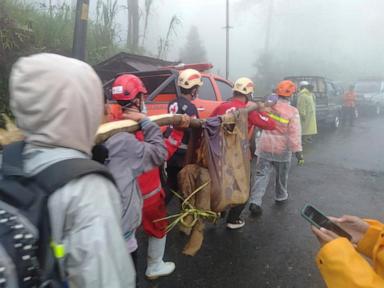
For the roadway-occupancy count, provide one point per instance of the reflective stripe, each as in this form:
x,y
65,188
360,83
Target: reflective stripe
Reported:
x,y
278,118
172,141
152,193
183,146
58,250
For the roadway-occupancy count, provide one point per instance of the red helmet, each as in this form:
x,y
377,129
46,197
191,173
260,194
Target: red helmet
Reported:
x,y
127,87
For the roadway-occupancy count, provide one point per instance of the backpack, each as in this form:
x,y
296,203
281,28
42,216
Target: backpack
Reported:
x,y
27,256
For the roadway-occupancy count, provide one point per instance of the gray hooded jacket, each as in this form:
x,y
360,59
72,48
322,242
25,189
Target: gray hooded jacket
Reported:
x,y
58,104
127,159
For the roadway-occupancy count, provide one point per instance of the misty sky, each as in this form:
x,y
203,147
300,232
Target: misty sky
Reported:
x,y
340,38
348,33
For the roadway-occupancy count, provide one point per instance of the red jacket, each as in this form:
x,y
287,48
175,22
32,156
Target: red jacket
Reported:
x,y
259,119
150,181
153,194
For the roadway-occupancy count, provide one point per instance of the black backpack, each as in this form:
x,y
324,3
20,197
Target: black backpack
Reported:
x,y
26,256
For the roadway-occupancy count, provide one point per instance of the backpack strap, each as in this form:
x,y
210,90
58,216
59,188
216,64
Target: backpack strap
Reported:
x,y
62,172
51,179
12,163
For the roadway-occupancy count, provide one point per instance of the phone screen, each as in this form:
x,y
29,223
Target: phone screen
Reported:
x,y
318,219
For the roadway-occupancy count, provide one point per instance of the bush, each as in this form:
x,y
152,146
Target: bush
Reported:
x,y
26,29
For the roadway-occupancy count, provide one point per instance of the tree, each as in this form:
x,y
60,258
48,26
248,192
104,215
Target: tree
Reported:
x,y
147,10
133,24
164,43
193,51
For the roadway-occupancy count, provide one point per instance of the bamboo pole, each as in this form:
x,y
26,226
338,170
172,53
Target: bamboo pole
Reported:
x,y
106,130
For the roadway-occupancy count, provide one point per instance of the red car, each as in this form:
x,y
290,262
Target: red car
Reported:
x,y
162,88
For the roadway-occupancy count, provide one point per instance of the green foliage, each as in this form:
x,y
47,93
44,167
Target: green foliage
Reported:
x,y
102,32
26,29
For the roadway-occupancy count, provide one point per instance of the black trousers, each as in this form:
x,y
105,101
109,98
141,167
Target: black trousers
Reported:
x,y
172,184
235,212
348,115
134,259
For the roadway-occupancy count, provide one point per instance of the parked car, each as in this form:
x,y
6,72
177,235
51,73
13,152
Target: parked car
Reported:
x,y
162,88
370,96
328,99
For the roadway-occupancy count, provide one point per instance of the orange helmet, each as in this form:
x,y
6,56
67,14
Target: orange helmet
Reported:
x,y
127,87
285,88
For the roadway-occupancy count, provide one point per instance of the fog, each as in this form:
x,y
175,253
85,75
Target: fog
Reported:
x,y
340,39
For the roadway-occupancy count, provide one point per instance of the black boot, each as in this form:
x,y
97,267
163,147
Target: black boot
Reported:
x,y
256,210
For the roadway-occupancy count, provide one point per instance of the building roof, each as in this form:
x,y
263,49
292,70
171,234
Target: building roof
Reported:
x,y
127,62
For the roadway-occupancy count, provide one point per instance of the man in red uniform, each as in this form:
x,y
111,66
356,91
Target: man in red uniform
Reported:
x,y
148,180
242,92
154,207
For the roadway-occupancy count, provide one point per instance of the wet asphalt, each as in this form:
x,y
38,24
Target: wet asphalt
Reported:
x,y
343,174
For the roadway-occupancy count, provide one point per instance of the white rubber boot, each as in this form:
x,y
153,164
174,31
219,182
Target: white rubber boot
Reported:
x,y
156,267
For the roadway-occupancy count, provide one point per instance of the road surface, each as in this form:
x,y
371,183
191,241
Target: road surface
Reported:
x,y
343,174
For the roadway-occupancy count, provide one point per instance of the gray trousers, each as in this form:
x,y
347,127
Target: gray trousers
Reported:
x,y
261,171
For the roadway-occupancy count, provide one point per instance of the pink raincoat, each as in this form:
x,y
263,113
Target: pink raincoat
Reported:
x,y
279,144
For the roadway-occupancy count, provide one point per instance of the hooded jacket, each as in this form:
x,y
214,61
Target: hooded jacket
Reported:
x,y
128,158
58,104
307,109
341,265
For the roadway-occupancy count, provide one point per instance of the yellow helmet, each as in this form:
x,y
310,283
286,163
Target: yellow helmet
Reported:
x,y
244,86
189,78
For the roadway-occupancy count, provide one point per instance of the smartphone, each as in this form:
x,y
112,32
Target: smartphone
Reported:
x,y
318,219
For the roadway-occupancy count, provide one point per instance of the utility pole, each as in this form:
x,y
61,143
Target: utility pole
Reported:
x,y
269,26
227,27
80,34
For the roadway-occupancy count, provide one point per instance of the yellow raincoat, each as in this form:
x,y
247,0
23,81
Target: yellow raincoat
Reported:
x,y
342,266
307,110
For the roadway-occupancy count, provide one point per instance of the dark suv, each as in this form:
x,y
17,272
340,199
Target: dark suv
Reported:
x,y
328,98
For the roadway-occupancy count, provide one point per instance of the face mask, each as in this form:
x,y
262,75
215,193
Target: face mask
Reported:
x,y
143,108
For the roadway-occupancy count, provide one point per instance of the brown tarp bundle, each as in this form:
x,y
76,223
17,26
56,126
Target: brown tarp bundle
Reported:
x,y
225,152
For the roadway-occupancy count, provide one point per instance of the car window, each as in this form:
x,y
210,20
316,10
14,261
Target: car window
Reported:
x,y
331,92
367,87
225,89
206,91
320,86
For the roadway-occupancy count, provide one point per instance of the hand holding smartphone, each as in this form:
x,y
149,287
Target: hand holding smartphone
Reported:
x,y
319,220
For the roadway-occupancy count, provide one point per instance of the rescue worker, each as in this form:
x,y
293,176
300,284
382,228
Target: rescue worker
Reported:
x,y
307,110
243,90
342,263
154,208
349,106
275,147
58,105
129,157
189,81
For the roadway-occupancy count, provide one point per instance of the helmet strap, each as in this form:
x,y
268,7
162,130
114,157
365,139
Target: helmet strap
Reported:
x,y
194,93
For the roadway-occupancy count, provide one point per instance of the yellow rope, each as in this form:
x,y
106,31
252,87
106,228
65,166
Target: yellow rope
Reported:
x,y
187,209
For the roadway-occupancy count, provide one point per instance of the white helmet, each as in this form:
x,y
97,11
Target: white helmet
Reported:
x,y
189,78
244,86
303,83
